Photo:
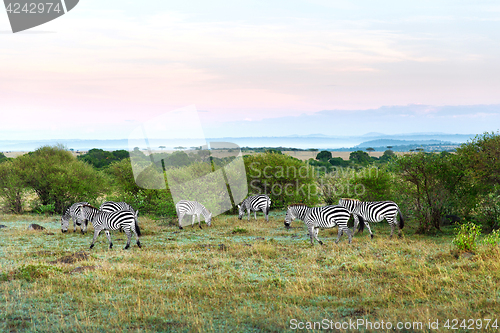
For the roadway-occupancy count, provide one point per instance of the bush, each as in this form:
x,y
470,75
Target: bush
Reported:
x,y
153,201
367,184
12,187
493,238
58,178
466,237
285,179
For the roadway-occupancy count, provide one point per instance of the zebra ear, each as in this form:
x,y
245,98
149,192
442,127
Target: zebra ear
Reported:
x,y
136,213
239,206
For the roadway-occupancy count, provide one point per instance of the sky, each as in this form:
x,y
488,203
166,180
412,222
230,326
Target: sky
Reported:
x,y
254,68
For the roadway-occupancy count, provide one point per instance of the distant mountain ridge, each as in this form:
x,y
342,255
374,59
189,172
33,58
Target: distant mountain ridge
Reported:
x,y
319,141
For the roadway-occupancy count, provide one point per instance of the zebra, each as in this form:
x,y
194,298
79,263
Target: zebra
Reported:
x,y
194,208
317,218
254,204
374,211
111,206
73,212
122,219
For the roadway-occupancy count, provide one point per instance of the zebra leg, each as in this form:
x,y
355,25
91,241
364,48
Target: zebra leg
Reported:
x,y
74,225
248,209
180,220
137,237
370,230
356,222
199,222
311,233
255,215
96,233
349,234
129,237
341,232
192,223
108,235
316,231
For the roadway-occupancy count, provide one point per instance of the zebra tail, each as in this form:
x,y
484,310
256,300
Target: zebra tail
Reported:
x,y
361,225
137,228
401,220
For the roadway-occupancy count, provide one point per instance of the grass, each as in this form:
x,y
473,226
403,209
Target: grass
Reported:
x,y
235,276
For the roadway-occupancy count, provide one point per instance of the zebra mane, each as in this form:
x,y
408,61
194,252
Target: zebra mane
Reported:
x,y
296,205
348,199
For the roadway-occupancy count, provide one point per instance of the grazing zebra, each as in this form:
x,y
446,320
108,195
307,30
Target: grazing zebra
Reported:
x,y
111,206
122,219
194,208
254,204
374,211
320,218
73,212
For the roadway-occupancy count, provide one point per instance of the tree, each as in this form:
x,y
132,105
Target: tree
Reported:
x,y
369,150
482,156
360,157
338,161
12,187
285,179
388,154
3,158
58,178
324,156
439,182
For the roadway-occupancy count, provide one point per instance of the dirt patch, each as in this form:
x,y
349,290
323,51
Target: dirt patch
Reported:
x,y
71,259
35,226
83,269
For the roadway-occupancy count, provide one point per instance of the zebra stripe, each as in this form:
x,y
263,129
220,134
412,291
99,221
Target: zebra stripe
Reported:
x,y
73,212
374,211
193,208
120,220
255,203
111,206
320,218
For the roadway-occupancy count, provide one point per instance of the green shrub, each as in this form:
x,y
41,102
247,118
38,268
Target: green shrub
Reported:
x,y
239,230
493,238
285,179
466,237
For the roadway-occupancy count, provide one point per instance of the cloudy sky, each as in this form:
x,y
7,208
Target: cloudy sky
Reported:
x,y
106,66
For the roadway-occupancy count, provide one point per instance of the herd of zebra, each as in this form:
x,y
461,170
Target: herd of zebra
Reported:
x,y
121,216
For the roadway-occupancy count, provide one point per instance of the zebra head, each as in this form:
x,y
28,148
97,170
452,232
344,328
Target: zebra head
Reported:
x,y
241,211
65,222
209,219
290,216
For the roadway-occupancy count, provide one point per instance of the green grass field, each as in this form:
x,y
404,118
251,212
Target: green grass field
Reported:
x,y
237,276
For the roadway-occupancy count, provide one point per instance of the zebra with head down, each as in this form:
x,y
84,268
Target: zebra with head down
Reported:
x,y
73,212
317,218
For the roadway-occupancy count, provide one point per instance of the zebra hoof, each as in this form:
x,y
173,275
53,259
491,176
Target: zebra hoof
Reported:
x,y
201,227
91,245
180,227
111,245
371,236
139,244
321,243
126,247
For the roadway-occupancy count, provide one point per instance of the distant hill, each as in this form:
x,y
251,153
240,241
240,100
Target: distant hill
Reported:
x,y
392,142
